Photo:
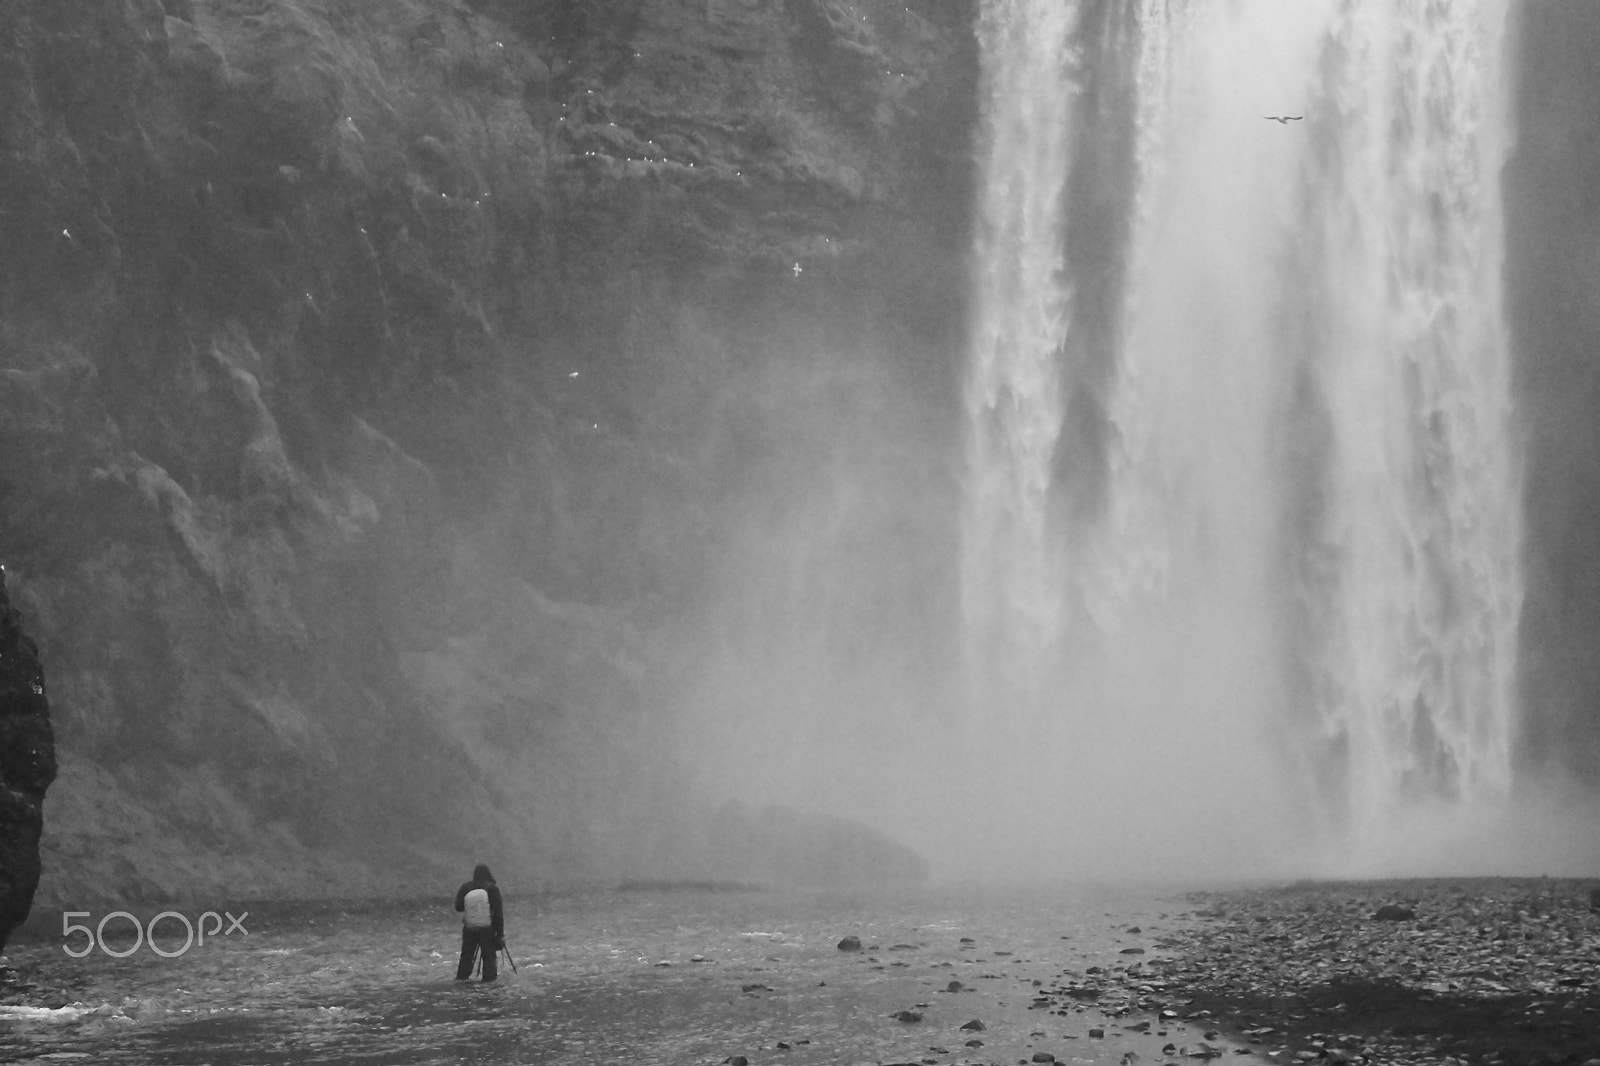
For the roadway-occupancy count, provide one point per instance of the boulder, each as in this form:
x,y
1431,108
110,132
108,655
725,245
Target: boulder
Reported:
x,y
785,846
1394,912
27,766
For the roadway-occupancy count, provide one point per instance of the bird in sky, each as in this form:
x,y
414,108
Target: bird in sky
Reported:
x,y
1283,120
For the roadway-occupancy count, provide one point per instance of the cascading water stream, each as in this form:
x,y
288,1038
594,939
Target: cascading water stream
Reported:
x,y
1413,628
1011,575
1304,548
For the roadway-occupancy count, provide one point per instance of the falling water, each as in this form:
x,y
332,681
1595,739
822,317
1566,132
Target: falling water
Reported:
x,y
1012,578
1300,545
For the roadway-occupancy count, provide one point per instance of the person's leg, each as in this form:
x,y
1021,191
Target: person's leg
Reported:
x,y
491,955
469,948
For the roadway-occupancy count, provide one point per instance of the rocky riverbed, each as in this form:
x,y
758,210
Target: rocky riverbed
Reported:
x,y
1482,971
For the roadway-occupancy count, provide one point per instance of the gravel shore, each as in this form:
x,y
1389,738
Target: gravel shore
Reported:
x,y
1481,971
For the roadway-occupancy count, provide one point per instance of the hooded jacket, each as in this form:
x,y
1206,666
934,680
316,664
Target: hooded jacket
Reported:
x,y
483,879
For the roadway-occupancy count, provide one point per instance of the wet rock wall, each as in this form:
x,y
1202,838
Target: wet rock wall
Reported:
x,y
373,380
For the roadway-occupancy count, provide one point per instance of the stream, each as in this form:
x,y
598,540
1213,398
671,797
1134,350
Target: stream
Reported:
x,y
655,975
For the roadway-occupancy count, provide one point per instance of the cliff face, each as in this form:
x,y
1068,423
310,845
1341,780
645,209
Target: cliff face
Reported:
x,y
377,382
1553,289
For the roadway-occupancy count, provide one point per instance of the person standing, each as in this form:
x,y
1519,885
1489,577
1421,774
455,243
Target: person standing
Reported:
x,y
483,923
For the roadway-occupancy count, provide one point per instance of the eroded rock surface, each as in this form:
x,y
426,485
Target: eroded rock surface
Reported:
x,y
377,412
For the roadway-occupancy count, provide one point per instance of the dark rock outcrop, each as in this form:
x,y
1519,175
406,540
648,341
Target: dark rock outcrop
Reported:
x,y
27,766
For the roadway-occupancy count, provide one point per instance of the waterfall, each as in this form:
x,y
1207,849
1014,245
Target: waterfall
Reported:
x,y
1266,513
1410,591
1011,575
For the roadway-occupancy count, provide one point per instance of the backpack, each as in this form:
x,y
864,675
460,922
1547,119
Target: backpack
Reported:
x,y
476,905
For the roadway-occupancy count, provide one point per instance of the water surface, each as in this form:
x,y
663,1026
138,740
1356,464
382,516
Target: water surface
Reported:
x,y
641,977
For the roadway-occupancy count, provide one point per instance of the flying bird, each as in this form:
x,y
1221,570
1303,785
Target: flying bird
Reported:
x,y
1283,120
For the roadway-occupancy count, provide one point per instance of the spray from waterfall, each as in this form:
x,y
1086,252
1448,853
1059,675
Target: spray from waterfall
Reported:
x,y
1247,558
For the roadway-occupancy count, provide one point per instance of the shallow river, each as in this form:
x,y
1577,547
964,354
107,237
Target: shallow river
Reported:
x,y
638,977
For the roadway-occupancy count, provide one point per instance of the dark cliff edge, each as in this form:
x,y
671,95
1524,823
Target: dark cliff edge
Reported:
x,y
27,766
374,380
